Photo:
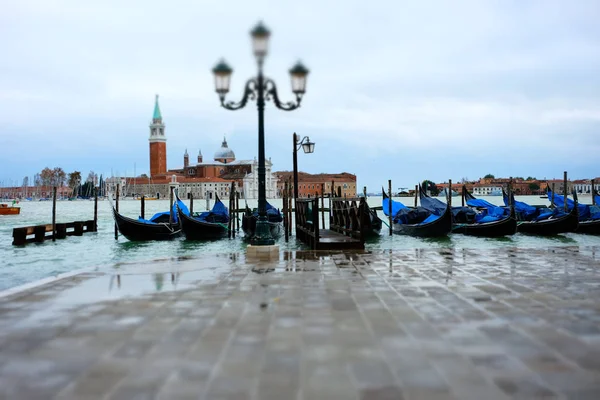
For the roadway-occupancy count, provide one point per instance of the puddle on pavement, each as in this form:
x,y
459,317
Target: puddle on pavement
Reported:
x,y
129,283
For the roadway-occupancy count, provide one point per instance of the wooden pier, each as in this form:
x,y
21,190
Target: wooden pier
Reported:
x,y
39,233
346,224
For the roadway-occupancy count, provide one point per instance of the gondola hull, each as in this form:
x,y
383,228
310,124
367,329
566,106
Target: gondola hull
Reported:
x,y
374,227
589,227
139,231
553,226
438,228
195,229
504,227
249,226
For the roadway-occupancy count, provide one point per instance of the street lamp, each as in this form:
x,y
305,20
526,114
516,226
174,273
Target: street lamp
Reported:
x,y
307,147
260,88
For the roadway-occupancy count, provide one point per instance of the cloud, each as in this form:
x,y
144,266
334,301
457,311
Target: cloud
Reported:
x,y
503,87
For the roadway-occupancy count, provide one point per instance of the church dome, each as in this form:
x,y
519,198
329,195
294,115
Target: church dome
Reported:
x,y
224,154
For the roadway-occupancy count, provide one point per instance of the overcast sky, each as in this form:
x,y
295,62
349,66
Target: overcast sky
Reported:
x,y
401,90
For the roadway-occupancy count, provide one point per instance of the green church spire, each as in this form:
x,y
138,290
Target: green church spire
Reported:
x,y
156,115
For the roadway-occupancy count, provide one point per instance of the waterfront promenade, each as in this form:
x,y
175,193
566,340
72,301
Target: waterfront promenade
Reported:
x,y
409,324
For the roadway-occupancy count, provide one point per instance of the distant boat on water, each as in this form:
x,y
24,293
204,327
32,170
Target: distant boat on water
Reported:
x,y
5,209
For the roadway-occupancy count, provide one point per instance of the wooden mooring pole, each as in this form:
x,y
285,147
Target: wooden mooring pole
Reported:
x,y
232,210
323,205
417,194
171,216
593,194
191,204
54,214
143,207
565,191
553,194
237,212
95,209
390,205
291,217
286,220
117,210
450,193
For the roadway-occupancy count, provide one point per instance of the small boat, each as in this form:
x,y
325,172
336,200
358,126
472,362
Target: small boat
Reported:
x,y
207,225
542,220
5,209
490,221
156,228
417,221
274,216
589,215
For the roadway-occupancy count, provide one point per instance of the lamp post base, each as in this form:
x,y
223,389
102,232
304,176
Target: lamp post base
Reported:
x,y
262,233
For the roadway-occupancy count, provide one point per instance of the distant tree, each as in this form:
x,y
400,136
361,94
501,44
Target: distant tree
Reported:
x,y
92,177
37,180
534,186
489,176
530,178
46,177
25,181
518,177
52,177
429,185
464,180
59,177
74,179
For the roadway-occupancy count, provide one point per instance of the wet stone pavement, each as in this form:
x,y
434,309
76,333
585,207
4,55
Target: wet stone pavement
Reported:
x,y
415,324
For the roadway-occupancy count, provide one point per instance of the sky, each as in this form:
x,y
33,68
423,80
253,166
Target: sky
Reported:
x,y
399,90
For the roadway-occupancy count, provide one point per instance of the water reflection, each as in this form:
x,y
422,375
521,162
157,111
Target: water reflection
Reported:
x,y
260,270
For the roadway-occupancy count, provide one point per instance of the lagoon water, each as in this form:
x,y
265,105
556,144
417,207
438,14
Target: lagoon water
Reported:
x,y
24,264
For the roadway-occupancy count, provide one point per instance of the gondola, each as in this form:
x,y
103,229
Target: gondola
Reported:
x,y
589,215
493,222
374,222
211,224
537,221
427,225
156,228
275,220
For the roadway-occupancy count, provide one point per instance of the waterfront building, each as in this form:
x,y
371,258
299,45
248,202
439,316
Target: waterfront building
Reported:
x,y
487,190
202,179
309,185
584,186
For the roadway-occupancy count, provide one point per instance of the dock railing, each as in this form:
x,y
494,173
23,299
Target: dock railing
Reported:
x,y
307,221
349,217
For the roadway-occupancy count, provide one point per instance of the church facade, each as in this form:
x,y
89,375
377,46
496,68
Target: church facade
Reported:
x,y
203,178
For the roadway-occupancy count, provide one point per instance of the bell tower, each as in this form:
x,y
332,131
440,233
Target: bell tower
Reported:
x,y
158,143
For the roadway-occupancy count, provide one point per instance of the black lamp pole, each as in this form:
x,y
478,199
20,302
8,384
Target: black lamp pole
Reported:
x,y
261,89
307,147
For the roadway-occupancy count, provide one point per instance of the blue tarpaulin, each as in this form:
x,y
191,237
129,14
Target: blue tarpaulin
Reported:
x,y
161,217
396,206
585,210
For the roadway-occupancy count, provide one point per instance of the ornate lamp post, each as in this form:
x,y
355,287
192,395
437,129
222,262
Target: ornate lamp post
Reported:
x,y
307,147
260,88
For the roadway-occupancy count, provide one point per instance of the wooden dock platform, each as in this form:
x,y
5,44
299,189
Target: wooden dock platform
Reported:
x,y
61,231
332,240
347,228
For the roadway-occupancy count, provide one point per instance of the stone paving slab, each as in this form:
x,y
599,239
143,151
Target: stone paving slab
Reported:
x,y
415,324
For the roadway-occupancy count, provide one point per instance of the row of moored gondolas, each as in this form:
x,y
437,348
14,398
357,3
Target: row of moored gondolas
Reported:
x,y
179,221
478,217
433,218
